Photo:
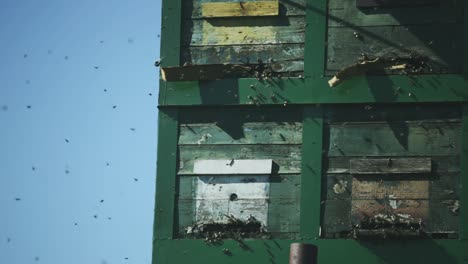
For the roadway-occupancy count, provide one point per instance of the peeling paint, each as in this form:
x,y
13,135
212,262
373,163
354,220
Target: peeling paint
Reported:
x,y
204,138
340,187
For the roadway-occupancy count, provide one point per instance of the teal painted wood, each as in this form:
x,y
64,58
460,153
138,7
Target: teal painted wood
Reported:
x,y
346,13
464,177
166,174
331,251
171,33
251,133
394,139
465,38
371,89
311,172
316,31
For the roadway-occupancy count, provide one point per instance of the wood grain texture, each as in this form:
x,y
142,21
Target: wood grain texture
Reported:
x,y
250,133
439,164
394,139
390,165
409,189
437,186
240,9
439,44
284,57
361,210
245,31
193,9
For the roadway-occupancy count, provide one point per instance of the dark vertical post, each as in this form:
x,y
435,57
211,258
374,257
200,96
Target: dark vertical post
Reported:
x,y
301,253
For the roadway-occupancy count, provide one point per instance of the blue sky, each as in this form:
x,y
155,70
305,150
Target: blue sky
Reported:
x,y
78,119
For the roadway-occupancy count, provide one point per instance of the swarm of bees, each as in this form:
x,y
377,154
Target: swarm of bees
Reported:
x,y
214,232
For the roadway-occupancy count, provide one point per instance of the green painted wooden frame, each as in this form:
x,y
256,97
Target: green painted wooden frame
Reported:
x,y
313,87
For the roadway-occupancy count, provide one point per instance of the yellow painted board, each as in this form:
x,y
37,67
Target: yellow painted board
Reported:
x,y
240,9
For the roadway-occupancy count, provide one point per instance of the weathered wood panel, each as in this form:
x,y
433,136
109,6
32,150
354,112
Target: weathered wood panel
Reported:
x,y
346,13
284,215
390,165
341,216
193,9
231,119
394,139
336,219
436,186
444,217
245,31
415,189
281,58
287,157
282,222
439,164
251,133
419,114
275,41
362,210
423,201
240,9
438,45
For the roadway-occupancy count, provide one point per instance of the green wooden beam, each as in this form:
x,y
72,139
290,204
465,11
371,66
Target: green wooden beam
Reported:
x,y
330,251
370,89
465,40
166,174
316,34
311,196
171,32
464,177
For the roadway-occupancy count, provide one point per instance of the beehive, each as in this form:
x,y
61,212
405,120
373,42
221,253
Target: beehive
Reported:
x,y
338,123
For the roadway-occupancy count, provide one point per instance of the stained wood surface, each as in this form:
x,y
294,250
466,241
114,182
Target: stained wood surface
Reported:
x,y
278,39
282,217
440,186
346,13
426,30
439,44
203,72
285,58
437,216
390,166
251,133
248,134
384,113
394,139
193,9
240,9
439,164
245,31
423,185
